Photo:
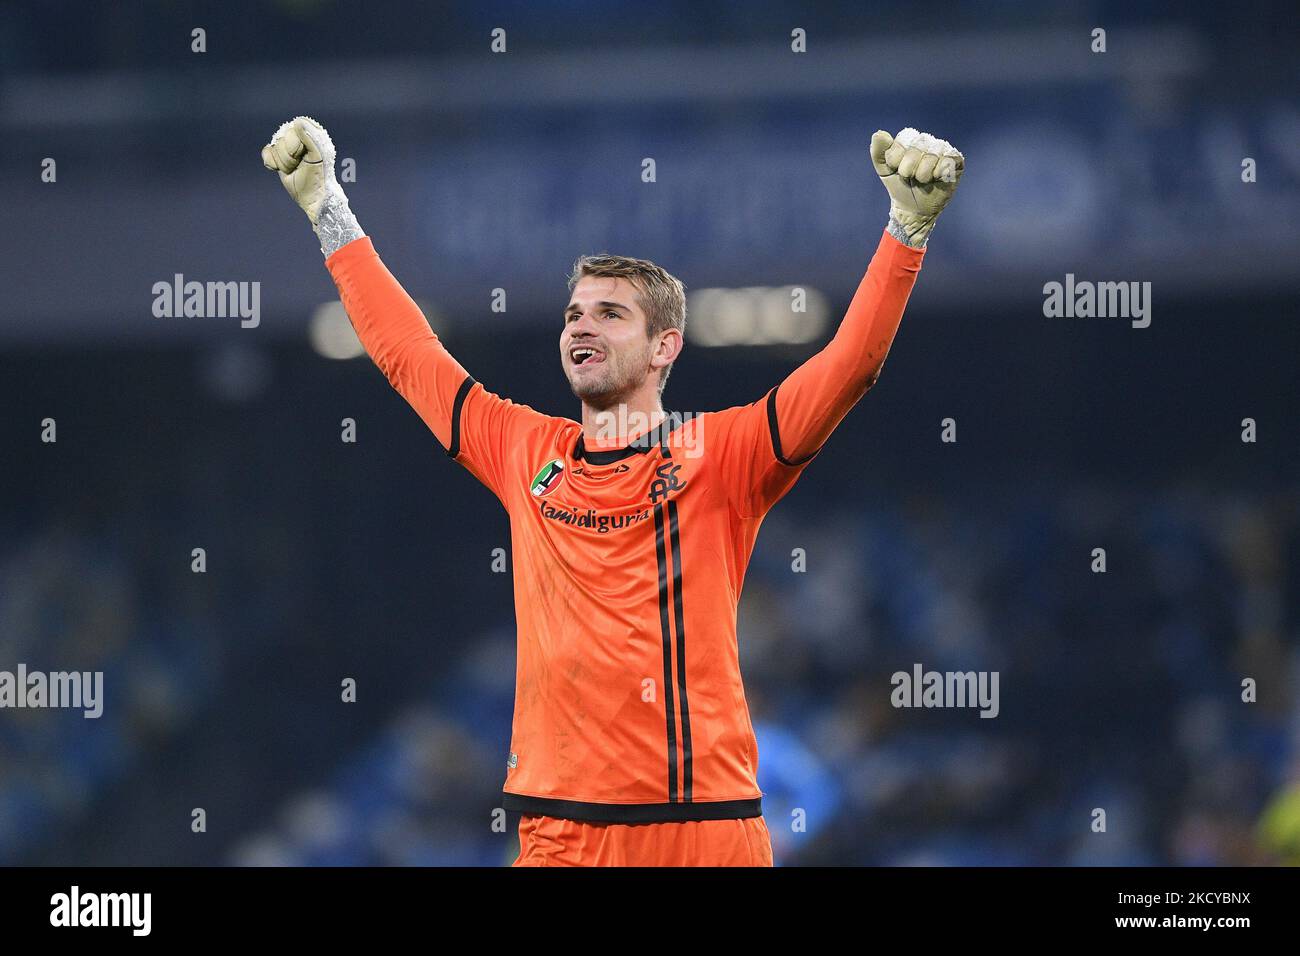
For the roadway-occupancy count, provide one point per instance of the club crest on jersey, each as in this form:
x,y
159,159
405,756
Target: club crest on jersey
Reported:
x,y
548,479
666,481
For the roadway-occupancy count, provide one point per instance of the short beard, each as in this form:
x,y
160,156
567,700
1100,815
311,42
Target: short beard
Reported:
x,y
598,397
601,396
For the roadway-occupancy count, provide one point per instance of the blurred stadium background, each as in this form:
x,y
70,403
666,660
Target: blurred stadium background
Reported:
x,y
478,171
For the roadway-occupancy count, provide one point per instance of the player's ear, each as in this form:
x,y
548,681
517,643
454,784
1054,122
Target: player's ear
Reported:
x,y
667,349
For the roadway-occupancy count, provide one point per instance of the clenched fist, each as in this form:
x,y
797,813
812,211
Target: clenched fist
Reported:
x,y
921,173
303,154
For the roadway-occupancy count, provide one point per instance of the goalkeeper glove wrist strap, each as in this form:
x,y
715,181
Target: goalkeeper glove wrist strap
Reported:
x,y
910,230
336,226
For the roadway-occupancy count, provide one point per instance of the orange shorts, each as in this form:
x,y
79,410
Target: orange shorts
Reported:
x,y
550,841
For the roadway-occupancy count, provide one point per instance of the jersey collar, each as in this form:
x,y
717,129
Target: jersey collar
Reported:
x,y
637,446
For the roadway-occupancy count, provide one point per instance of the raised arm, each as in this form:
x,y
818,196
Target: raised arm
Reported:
x,y
921,174
474,425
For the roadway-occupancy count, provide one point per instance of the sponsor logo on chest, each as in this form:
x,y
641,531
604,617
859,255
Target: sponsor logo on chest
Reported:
x,y
665,482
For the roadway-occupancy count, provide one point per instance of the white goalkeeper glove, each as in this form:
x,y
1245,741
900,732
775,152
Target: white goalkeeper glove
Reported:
x,y
921,173
303,154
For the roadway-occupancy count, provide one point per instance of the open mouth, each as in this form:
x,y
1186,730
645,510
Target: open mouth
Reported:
x,y
585,355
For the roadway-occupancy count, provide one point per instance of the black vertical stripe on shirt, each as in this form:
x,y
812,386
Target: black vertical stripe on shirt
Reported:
x,y
666,632
675,542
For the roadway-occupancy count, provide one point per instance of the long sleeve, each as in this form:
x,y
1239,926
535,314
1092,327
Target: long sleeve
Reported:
x,y
765,445
817,395
474,425
397,336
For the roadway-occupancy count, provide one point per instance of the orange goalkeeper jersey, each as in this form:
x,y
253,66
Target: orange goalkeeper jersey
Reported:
x,y
629,561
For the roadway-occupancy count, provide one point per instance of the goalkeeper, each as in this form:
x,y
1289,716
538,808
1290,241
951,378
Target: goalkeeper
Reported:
x,y
631,742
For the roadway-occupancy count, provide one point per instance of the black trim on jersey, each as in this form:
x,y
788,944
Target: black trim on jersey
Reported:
x,y
638,446
776,434
681,650
633,812
666,632
454,448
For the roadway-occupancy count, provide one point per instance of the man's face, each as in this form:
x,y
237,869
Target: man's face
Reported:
x,y
604,348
